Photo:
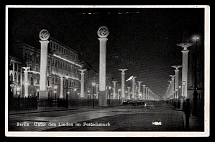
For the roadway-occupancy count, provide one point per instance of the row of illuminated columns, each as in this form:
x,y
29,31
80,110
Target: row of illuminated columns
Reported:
x,y
147,93
130,92
174,90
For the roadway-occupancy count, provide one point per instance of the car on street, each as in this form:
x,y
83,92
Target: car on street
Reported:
x,y
149,105
133,102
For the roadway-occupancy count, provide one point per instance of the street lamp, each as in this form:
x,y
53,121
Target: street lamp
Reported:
x,y
179,95
184,83
67,90
176,97
75,89
38,93
18,90
88,94
109,93
55,91
195,93
182,99
93,84
119,95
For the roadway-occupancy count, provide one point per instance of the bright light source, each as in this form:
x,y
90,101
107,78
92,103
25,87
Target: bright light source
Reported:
x,y
55,87
93,84
196,37
67,60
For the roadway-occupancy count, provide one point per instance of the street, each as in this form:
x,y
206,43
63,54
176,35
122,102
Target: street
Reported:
x,y
159,117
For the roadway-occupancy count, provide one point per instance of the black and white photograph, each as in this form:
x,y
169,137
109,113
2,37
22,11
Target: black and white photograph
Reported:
x,y
107,70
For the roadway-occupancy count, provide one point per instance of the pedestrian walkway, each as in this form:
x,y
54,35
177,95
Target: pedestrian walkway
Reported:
x,y
50,109
42,109
73,114
196,123
82,114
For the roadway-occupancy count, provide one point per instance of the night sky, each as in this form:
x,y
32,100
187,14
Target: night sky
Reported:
x,y
142,40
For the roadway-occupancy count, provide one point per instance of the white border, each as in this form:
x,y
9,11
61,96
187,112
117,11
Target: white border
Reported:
x,y
107,6
118,134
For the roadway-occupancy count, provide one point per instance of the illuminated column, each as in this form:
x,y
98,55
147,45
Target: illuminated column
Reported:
x,y
148,93
114,89
123,84
61,87
184,65
26,69
129,93
167,91
139,83
82,82
176,79
148,96
144,92
133,86
173,85
44,35
102,33
13,70
170,88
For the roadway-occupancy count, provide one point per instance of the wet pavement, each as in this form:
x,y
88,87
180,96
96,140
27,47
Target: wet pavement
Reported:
x,y
159,117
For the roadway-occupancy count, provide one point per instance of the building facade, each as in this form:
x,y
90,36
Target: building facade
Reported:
x,y
62,70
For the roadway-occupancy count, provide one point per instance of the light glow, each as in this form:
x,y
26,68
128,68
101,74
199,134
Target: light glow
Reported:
x,y
67,60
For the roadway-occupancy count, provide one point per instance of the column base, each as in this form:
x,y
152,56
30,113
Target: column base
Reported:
x,y
43,94
43,100
122,100
102,98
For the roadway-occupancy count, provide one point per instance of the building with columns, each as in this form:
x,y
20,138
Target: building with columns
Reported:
x,y
62,69
15,75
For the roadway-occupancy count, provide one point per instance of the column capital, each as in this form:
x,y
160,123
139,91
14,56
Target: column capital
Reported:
x,y
177,67
139,81
134,77
144,85
172,76
185,45
123,70
44,41
103,39
82,70
26,68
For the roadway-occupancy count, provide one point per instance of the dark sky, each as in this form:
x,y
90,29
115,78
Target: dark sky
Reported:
x,y
143,40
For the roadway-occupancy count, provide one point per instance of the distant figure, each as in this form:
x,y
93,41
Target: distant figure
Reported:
x,y
187,112
179,104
